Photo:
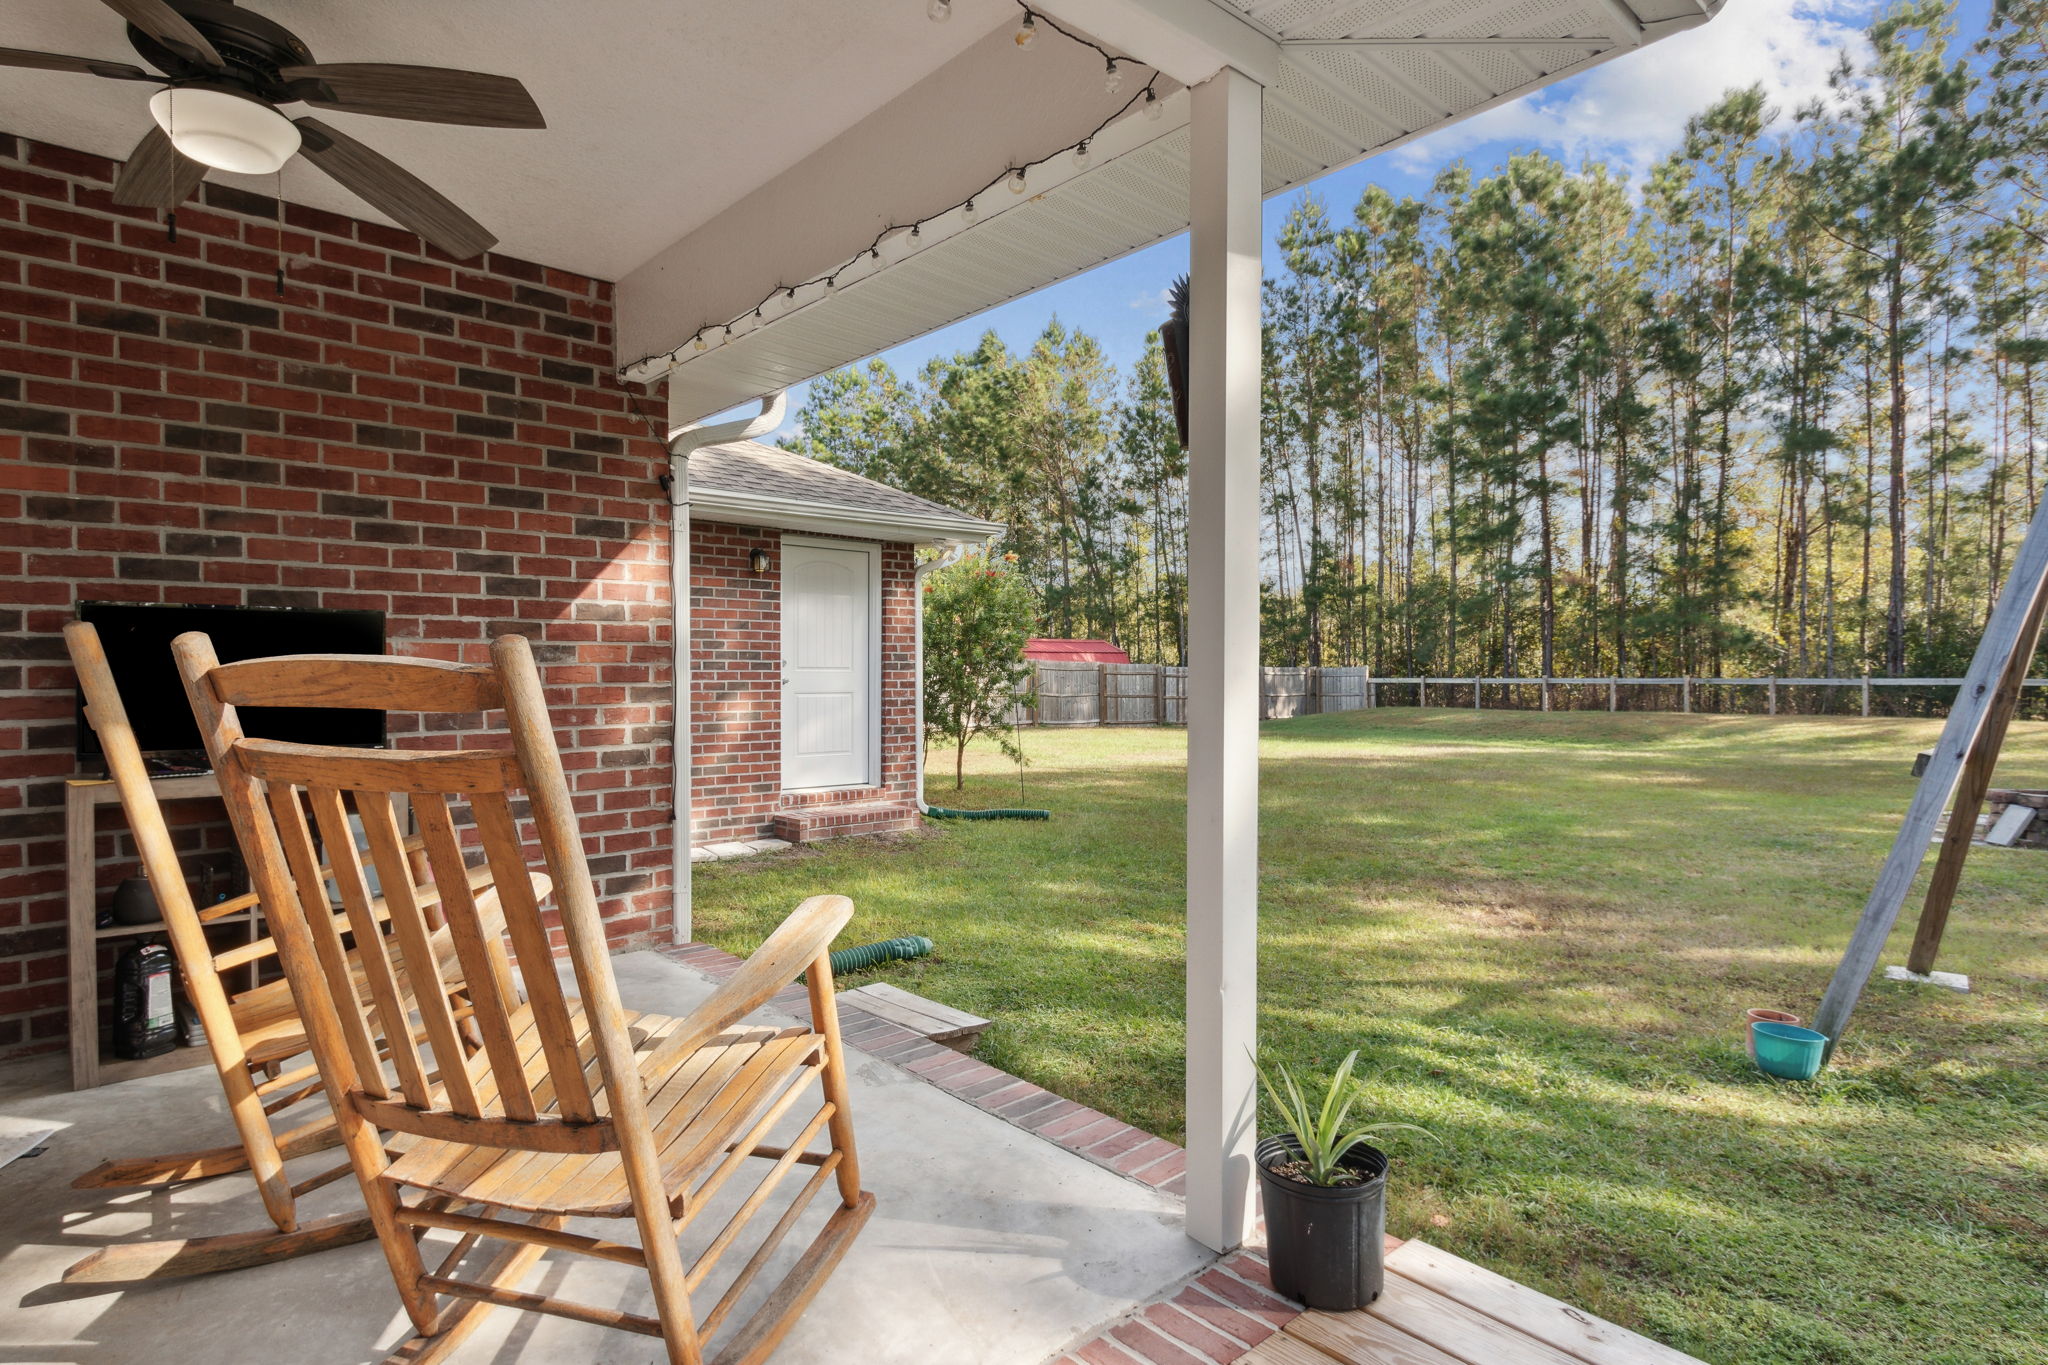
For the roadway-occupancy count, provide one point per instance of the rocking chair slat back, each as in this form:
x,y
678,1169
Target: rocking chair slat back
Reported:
x,y
505,1089
389,995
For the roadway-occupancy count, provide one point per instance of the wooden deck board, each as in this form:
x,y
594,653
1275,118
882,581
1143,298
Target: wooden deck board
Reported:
x,y
1535,1314
1281,1349
1440,1310
1363,1339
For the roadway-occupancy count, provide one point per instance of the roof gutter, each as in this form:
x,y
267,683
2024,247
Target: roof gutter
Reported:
x,y
682,440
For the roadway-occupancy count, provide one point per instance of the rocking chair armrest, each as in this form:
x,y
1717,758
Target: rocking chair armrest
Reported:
x,y
802,943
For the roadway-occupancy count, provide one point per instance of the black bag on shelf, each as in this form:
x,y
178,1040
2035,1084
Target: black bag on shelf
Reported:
x,y
145,1022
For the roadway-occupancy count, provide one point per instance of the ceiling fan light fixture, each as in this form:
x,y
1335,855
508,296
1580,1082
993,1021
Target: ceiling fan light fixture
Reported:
x,y
224,129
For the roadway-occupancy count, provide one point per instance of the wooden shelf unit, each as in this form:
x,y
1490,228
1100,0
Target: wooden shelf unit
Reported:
x,y
82,799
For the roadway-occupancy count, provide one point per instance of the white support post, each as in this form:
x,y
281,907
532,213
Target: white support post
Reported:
x,y
1223,698
683,438
682,724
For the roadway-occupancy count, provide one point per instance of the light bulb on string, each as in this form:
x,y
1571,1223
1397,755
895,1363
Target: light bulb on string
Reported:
x,y
896,242
699,344
1113,78
1153,108
1081,156
1027,32
967,210
939,11
831,285
1015,182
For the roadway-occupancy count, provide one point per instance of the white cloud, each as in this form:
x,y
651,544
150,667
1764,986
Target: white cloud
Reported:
x,y
1632,110
1158,301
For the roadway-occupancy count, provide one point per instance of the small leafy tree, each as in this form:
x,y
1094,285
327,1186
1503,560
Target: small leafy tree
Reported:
x,y
977,616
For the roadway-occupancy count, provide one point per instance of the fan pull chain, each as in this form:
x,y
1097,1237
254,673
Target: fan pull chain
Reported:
x,y
280,232
171,213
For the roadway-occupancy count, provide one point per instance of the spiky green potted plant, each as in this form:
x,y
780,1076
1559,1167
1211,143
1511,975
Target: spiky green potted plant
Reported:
x,y
1325,1190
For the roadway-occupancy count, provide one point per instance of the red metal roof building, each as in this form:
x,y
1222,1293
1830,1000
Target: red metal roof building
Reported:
x,y
1075,652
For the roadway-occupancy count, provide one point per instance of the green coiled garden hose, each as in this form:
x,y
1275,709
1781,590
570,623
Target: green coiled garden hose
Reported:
x,y
941,813
888,950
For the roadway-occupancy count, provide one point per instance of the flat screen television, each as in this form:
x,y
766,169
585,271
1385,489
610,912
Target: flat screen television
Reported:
x,y
137,639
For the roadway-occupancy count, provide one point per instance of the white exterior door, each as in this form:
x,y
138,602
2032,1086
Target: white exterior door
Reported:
x,y
831,664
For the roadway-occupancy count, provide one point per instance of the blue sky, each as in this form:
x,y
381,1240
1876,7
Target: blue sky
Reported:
x,y
1628,113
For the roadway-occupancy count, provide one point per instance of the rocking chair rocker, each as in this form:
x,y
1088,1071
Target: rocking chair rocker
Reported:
x,y
556,1116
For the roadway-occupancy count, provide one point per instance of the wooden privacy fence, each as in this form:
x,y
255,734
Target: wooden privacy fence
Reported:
x,y
1156,694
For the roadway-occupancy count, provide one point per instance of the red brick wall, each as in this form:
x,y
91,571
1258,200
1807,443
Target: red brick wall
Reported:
x,y
736,640
441,441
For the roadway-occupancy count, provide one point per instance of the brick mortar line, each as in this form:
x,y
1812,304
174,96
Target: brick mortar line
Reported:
x,y
312,310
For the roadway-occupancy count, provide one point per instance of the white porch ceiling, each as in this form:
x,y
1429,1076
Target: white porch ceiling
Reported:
x,y
1333,99
661,113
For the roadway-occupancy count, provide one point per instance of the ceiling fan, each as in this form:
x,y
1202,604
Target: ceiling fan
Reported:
x,y
224,70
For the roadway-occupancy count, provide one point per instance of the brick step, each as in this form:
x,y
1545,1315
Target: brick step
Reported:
x,y
839,796
809,824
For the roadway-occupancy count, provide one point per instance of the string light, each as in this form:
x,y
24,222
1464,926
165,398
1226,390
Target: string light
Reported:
x,y
902,237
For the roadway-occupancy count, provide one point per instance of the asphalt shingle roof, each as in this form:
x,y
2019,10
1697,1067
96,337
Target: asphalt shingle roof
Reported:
x,y
751,467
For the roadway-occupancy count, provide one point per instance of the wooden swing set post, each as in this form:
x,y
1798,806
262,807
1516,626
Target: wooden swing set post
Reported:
x,y
1970,793
2014,619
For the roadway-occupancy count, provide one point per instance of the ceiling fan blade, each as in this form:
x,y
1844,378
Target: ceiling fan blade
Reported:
x,y
168,27
385,185
84,66
158,175
431,94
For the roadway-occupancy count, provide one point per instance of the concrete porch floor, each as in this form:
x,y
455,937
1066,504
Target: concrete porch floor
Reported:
x,y
989,1243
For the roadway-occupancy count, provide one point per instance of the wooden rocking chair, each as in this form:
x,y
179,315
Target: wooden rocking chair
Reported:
x,y
250,1036
556,1116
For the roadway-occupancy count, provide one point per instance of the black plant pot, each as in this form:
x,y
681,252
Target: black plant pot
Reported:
x,y
1326,1244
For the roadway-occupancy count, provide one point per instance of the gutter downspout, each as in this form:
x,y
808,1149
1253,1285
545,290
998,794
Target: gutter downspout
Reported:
x,y
682,442
952,554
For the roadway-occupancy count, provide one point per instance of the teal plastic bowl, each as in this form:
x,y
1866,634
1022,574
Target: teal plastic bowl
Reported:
x,y
1787,1050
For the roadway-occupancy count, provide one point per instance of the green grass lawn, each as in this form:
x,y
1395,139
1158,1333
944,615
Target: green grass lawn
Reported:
x,y
1543,931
